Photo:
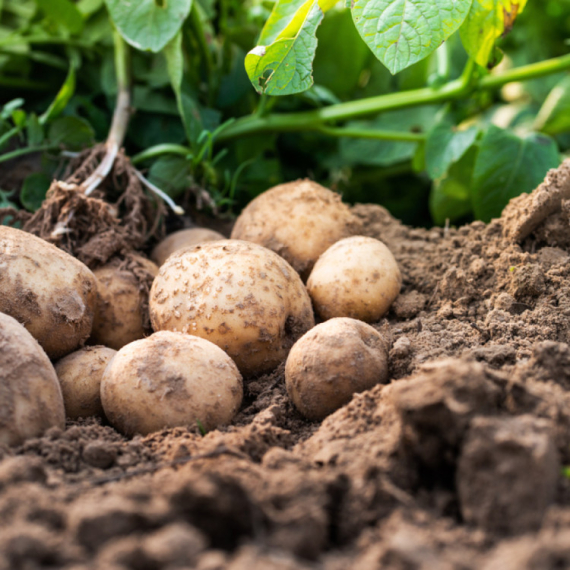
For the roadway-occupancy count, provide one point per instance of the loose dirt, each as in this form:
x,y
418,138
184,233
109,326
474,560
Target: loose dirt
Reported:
x,y
455,464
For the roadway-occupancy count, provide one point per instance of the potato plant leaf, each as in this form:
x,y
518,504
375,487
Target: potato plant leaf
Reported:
x,y
281,15
61,99
148,25
445,145
64,12
508,165
403,32
285,66
487,21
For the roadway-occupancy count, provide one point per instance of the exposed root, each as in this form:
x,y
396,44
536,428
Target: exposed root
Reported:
x,y
90,228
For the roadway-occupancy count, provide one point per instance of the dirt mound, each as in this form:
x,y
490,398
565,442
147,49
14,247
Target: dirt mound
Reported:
x,y
456,464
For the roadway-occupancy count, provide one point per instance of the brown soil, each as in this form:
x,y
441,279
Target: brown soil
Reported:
x,y
455,464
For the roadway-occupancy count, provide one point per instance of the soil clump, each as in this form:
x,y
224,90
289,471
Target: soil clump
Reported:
x,y
454,465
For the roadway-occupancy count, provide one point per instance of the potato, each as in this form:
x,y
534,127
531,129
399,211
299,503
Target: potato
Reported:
x,y
298,220
332,362
30,396
122,302
79,375
241,296
357,277
170,379
47,290
181,239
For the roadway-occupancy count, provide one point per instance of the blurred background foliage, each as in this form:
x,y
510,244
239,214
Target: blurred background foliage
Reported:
x,y
58,89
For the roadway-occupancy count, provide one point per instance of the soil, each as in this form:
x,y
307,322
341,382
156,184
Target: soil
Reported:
x,y
457,463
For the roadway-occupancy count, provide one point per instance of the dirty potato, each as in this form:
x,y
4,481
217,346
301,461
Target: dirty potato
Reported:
x,y
239,295
121,316
79,375
181,239
357,277
170,379
30,396
47,290
332,362
298,220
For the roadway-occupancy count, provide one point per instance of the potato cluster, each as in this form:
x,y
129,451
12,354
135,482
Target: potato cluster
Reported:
x,y
221,310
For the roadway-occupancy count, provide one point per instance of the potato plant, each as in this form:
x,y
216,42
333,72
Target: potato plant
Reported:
x,y
461,127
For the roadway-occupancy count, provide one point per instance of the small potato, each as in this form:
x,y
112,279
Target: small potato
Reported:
x,y
298,220
170,379
122,303
239,295
181,239
332,362
79,375
30,396
47,290
357,277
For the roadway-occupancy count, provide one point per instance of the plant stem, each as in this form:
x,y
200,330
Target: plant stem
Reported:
x,y
378,135
159,150
456,89
200,36
27,150
120,117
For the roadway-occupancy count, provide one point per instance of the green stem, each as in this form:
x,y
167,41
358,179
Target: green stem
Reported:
x,y
22,83
526,72
27,150
401,136
456,89
159,150
200,36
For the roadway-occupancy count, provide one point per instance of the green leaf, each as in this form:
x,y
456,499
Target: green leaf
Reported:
x,y
508,165
285,66
487,21
554,115
148,25
34,190
171,174
73,133
281,16
35,131
385,153
450,195
403,32
64,12
62,98
446,145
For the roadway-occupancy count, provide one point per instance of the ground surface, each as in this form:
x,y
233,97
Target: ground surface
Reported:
x,y
456,464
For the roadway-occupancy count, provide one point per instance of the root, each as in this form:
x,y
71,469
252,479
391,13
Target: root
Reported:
x,y
92,229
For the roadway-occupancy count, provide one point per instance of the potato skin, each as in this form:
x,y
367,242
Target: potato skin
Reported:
x,y
332,362
181,239
30,396
298,220
357,277
47,290
121,305
170,379
79,375
241,296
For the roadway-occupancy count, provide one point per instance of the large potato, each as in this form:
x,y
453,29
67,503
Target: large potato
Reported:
x,y
121,316
30,396
332,362
357,277
170,379
239,295
298,220
181,239
80,375
47,290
